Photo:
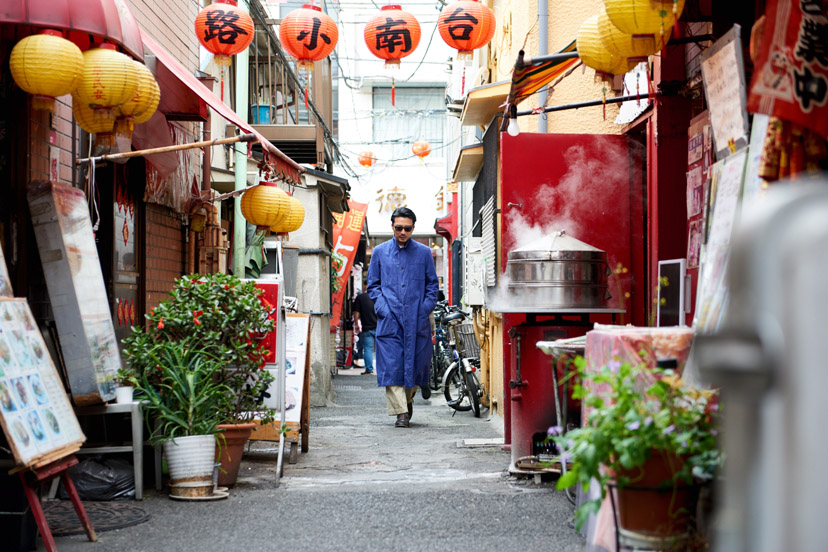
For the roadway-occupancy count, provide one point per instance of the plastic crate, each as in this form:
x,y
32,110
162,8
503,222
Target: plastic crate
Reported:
x,y
467,341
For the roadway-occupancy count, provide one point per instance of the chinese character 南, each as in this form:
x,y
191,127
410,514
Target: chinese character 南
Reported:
x,y
810,87
339,219
463,30
355,223
391,199
314,35
812,44
222,24
389,37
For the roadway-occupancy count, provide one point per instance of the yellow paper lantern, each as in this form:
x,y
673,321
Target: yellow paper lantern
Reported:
x,y
294,219
265,205
109,78
143,104
46,65
89,120
632,48
594,53
636,17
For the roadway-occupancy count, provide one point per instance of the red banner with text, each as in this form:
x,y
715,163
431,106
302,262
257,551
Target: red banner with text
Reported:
x,y
791,76
346,232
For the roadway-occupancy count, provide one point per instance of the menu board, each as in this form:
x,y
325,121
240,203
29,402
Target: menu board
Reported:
x,y
5,283
296,352
34,410
65,240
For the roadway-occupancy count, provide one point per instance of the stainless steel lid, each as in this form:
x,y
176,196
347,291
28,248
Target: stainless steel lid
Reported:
x,y
558,246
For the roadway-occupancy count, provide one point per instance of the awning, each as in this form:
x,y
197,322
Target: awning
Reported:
x,y
86,21
173,75
530,75
447,226
483,102
469,162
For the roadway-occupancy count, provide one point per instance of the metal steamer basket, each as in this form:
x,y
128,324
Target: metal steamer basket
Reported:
x,y
558,272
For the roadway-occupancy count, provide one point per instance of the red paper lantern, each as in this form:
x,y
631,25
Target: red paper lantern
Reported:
x,y
367,159
466,25
224,29
421,148
308,35
392,35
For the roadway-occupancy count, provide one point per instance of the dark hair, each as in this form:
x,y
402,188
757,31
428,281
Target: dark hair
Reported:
x,y
403,212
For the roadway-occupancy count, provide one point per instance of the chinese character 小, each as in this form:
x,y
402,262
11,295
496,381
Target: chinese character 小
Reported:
x,y
314,35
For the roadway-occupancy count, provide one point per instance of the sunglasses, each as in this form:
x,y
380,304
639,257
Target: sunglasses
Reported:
x,y
399,228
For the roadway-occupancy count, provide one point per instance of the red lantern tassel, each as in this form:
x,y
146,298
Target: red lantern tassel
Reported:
x,y
463,82
393,93
306,94
222,84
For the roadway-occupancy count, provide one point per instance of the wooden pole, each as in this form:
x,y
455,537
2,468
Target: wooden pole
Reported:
x,y
140,153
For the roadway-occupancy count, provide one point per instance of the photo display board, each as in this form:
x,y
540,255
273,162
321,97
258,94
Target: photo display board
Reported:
x,y
297,334
35,412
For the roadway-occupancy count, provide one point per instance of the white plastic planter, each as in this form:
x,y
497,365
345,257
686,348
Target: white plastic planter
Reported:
x,y
123,395
191,461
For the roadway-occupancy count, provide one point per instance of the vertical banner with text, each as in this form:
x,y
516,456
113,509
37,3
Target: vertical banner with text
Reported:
x,y
346,232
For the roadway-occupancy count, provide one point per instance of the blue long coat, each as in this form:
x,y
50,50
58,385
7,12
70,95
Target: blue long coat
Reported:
x,y
403,284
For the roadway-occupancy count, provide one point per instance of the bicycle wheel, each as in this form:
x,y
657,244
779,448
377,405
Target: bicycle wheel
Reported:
x,y
472,391
455,390
434,377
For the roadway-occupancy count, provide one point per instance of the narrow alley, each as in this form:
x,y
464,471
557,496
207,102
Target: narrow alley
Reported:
x,y
366,485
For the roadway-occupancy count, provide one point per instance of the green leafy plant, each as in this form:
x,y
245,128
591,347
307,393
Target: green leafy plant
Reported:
x,y
628,421
181,392
225,317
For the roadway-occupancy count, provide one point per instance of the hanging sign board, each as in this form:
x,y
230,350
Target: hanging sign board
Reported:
x,y
35,412
346,232
723,72
65,240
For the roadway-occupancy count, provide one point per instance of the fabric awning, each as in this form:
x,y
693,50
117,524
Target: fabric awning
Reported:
x,y
447,226
85,21
530,76
171,74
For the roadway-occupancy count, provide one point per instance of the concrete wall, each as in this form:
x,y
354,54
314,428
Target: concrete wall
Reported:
x,y
313,289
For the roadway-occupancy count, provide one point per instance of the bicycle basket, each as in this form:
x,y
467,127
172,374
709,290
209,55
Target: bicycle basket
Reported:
x,y
467,341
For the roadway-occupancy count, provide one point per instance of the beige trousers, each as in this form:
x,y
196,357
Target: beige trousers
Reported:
x,y
397,398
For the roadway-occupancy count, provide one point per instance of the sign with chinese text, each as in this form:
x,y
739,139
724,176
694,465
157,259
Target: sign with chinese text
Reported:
x,y
723,72
791,76
346,232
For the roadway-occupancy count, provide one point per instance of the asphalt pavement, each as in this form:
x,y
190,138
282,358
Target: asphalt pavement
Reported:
x,y
365,485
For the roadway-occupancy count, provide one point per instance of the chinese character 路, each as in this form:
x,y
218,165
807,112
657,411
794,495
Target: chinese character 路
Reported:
x,y
222,24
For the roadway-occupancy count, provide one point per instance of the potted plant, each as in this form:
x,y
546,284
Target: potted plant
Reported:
x,y
649,435
228,317
125,382
182,396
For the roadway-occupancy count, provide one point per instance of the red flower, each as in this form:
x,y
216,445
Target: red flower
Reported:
x,y
196,314
160,324
226,286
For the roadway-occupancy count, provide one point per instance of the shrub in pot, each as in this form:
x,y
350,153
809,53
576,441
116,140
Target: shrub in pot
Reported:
x,y
228,317
647,433
181,396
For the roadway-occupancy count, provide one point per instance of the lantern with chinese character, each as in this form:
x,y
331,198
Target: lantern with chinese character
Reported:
x,y
309,35
95,124
367,159
392,35
634,48
645,17
224,29
142,104
594,54
46,65
294,218
421,148
465,26
265,205
109,79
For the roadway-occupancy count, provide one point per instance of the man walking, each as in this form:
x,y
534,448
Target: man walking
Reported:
x,y
365,326
403,284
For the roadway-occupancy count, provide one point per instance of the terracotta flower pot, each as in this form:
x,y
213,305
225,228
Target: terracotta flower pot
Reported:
x,y
231,449
653,505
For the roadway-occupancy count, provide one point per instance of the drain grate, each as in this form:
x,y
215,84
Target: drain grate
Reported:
x,y
347,387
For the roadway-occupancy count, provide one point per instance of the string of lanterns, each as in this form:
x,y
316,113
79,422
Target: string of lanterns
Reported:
x,y
103,82
268,207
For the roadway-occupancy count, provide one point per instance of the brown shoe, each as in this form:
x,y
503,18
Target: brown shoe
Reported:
x,y
402,420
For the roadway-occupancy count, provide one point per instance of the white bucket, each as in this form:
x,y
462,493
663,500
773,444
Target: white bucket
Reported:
x,y
123,395
191,459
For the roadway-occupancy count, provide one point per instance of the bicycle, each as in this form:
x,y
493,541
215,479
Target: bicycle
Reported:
x,y
441,357
461,382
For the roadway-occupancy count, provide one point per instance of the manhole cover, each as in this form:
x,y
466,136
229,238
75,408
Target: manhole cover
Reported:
x,y
346,388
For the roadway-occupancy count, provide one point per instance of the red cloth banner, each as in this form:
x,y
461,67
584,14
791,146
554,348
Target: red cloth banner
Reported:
x,y
791,76
346,234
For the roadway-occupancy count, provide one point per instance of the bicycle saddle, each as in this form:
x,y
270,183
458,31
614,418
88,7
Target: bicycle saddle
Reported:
x,y
452,317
